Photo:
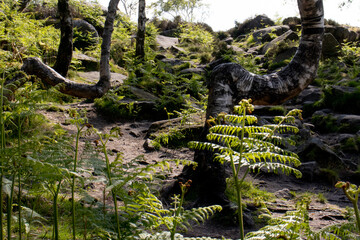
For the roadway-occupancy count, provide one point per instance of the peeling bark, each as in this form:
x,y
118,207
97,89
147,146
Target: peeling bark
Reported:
x,y
34,66
65,50
230,82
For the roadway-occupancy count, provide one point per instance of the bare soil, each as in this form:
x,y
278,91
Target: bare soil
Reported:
x,y
131,145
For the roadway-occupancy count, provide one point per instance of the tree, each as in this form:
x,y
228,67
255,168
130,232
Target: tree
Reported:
x,y
183,8
34,66
140,36
129,6
65,50
230,82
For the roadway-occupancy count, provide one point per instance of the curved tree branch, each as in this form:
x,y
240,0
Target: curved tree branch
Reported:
x,y
34,66
229,83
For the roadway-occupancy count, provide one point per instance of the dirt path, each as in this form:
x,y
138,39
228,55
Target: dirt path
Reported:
x,y
131,145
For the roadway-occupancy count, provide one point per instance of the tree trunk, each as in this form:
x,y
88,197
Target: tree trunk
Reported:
x,y
65,50
140,37
230,82
22,4
34,66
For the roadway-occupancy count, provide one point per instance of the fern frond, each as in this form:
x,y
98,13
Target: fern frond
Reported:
x,y
236,119
283,128
276,167
236,130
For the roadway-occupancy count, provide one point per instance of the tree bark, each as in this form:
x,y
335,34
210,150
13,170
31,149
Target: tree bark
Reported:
x,y
140,37
34,66
23,4
230,82
65,50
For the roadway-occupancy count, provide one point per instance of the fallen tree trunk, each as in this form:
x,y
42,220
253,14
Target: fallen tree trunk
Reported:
x,y
34,66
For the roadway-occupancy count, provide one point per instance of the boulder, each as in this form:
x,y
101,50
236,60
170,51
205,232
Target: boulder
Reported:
x,y
291,21
310,94
341,34
88,63
165,42
117,79
315,150
288,36
142,95
258,22
284,55
331,46
264,35
85,34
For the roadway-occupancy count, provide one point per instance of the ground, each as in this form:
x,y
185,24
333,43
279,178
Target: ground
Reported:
x,y
131,145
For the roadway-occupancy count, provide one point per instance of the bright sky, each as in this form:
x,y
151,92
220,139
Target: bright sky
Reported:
x,y
222,14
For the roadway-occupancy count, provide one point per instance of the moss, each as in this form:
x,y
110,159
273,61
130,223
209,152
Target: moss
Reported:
x,y
325,123
351,145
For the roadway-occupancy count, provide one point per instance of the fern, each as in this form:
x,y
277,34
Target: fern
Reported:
x,y
154,214
245,145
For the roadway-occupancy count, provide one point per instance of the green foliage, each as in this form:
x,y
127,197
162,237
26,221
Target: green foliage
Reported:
x,y
352,192
183,8
155,215
237,141
24,36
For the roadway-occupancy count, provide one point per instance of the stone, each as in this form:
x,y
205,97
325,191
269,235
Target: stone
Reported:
x,y
116,80
258,22
142,95
284,55
331,46
88,36
199,71
315,150
288,36
341,34
310,94
176,49
264,35
283,193
229,40
165,42
88,63
148,145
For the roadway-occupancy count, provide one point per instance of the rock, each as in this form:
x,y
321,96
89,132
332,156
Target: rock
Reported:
x,y
176,49
341,34
87,37
291,21
331,47
229,40
88,63
263,35
258,22
315,150
191,129
148,145
135,134
199,71
166,42
284,193
143,95
236,49
284,55
310,171
288,36
310,94
117,79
